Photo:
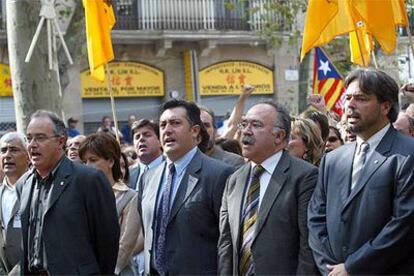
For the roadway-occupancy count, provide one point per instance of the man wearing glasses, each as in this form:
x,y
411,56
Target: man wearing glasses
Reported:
x,y
263,214
68,213
14,161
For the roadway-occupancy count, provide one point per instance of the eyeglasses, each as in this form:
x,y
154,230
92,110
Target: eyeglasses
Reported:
x,y
332,139
255,125
39,138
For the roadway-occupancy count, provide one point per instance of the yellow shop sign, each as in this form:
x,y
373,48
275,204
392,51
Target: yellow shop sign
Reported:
x,y
128,79
228,78
5,81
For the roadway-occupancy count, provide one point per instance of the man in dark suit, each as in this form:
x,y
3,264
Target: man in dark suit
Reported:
x,y
263,215
146,139
68,213
362,211
180,209
14,161
232,159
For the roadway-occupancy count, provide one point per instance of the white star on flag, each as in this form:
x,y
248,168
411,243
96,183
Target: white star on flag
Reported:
x,y
324,67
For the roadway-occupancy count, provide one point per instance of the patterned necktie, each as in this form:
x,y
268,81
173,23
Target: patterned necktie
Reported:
x,y
162,221
250,212
359,161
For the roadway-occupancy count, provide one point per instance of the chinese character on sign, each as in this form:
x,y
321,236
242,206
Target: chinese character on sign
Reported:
x,y
230,79
242,79
116,80
128,80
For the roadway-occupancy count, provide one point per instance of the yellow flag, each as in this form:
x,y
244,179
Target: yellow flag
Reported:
x,y
325,19
379,19
99,18
400,13
361,45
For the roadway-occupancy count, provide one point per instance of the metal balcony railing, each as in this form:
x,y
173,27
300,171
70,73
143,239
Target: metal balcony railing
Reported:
x,y
193,15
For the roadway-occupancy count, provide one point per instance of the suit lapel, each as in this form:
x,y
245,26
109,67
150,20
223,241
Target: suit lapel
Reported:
x,y
343,175
187,185
3,223
235,203
378,157
277,181
26,195
60,181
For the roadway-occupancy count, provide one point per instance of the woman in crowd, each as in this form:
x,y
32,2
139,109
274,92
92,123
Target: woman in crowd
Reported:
x,y
334,139
103,152
306,141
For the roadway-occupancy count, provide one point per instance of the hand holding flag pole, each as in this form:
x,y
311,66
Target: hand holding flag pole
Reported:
x,y
48,14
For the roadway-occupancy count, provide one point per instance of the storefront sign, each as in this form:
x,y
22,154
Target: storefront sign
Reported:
x,y
228,78
5,81
128,79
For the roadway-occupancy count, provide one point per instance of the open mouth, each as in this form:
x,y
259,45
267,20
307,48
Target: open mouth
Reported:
x,y
169,141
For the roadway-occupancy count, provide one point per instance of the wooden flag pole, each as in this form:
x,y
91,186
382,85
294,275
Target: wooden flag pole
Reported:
x,y
374,59
111,94
410,38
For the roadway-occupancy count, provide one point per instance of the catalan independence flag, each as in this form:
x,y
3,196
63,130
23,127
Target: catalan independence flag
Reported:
x,y
327,82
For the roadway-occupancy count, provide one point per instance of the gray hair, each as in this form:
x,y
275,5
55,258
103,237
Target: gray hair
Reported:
x,y
283,117
60,128
11,136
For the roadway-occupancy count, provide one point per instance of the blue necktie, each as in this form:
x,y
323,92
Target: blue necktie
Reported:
x,y
162,219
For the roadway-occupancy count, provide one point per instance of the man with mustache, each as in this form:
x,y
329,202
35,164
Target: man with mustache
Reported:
x,y
263,214
181,200
209,122
14,161
361,213
68,214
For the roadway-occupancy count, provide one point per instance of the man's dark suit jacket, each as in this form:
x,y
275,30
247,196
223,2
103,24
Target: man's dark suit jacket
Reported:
x,y
371,228
10,244
80,230
192,230
280,245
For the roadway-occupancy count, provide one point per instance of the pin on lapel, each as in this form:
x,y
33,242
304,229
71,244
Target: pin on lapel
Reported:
x,y
62,183
376,161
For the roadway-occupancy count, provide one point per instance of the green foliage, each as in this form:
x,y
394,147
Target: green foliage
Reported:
x,y
278,18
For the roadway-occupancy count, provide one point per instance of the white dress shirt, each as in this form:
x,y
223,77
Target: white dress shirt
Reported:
x,y
269,165
373,141
8,200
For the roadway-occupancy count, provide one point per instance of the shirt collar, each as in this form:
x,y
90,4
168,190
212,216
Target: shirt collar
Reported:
x,y
375,139
182,163
153,164
52,174
270,163
7,185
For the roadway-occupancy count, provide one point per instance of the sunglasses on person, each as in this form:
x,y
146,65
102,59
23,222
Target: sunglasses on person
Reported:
x,y
332,139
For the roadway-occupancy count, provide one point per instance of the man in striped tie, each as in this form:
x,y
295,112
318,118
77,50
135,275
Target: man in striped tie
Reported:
x,y
263,214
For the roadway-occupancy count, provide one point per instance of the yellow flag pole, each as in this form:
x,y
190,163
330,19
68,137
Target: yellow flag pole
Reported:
x,y
360,49
111,94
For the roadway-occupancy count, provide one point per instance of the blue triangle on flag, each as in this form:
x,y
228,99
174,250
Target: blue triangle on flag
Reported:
x,y
325,68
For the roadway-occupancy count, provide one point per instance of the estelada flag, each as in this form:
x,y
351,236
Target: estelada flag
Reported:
x,y
99,18
327,82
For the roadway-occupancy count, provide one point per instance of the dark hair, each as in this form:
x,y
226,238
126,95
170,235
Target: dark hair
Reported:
x,y
211,113
230,145
321,120
283,117
193,117
380,84
58,123
145,123
337,133
104,146
104,118
126,167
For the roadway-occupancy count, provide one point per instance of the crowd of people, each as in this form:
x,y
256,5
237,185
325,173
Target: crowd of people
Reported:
x,y
272,194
